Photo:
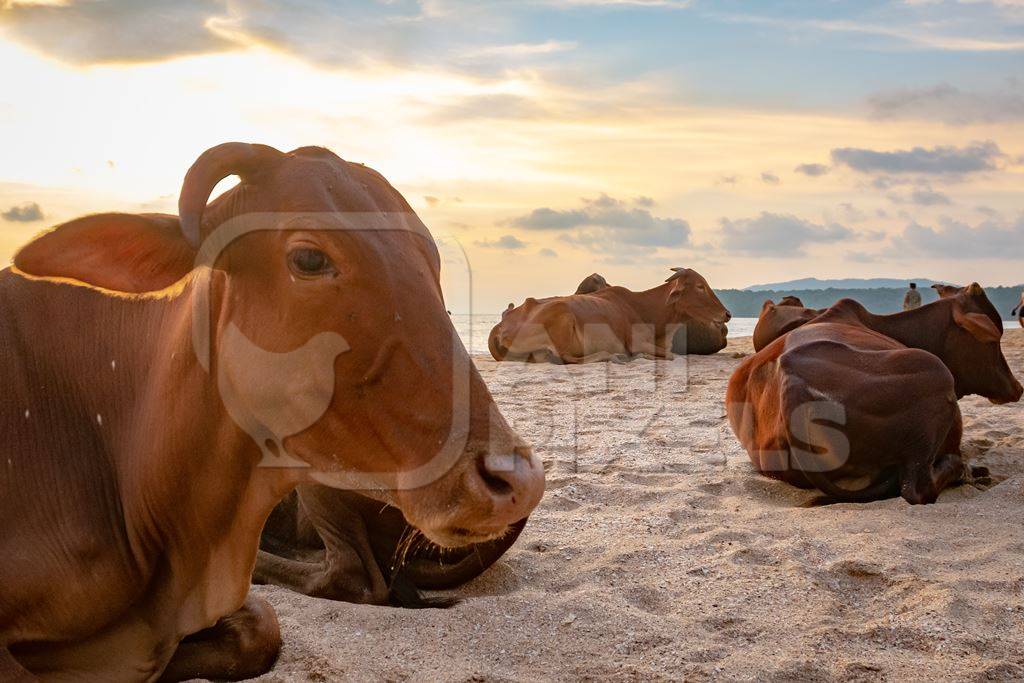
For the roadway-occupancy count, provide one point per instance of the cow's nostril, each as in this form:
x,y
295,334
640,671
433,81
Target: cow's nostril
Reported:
x,y
494,478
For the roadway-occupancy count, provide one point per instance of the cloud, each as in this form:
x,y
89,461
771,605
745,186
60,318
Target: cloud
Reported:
x,y
671,4
990,239
25,213
431,200
852,213
508,242
479,107
453,34
772,234
929,197
861,257
920,35
942,160
728,180
608,224
951,105
922,195
547,253
813,170
521,49
770,178
116,31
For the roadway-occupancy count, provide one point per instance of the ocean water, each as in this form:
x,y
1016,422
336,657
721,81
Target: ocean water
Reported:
x,y
473,329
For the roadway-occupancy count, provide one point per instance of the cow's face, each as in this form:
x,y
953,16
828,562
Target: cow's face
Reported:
x,y
691,298
973,351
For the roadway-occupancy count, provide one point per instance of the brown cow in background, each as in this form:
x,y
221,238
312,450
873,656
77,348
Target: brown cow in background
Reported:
x,y
779,319
1019,311
591,284
852,395
154,412
612,323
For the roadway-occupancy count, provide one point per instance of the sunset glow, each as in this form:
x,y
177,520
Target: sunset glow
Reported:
x,y
644,152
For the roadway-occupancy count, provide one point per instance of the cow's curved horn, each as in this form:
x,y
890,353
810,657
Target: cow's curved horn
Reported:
x,y
676,272
212,166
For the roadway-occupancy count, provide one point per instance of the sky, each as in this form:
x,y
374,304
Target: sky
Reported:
x,y
751,141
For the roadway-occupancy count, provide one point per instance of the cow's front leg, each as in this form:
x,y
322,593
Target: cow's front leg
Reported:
x,y
339,576
241,645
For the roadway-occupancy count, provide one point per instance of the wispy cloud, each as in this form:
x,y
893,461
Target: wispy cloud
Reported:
x,y
607,224
941,160
507,242
24,213
115,31
950,104
522,49
911,35
812,170
990,239
776,234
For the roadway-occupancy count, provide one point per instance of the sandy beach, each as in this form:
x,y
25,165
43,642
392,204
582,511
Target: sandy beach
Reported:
x,y
658,553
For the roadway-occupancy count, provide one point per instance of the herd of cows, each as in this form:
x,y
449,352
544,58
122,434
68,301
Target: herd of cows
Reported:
x,y
148,480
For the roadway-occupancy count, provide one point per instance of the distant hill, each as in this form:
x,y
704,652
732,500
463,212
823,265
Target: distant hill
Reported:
x,y
846,283
745,303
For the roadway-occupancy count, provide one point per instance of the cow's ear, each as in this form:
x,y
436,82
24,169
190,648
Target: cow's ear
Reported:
x,y
117,251
979,325
974,289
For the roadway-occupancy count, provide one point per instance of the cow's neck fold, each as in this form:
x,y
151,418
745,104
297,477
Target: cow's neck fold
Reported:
x,y
654,303
922,328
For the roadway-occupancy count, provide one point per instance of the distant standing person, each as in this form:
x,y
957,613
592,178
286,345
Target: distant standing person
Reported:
x,y
912,299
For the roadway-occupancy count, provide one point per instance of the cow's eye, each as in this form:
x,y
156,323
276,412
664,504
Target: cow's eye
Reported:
x,y
310,262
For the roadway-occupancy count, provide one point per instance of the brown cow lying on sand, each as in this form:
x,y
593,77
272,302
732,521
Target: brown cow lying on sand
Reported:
x,y
340,545
612,323
777,319
852,395
155,411
1019,310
